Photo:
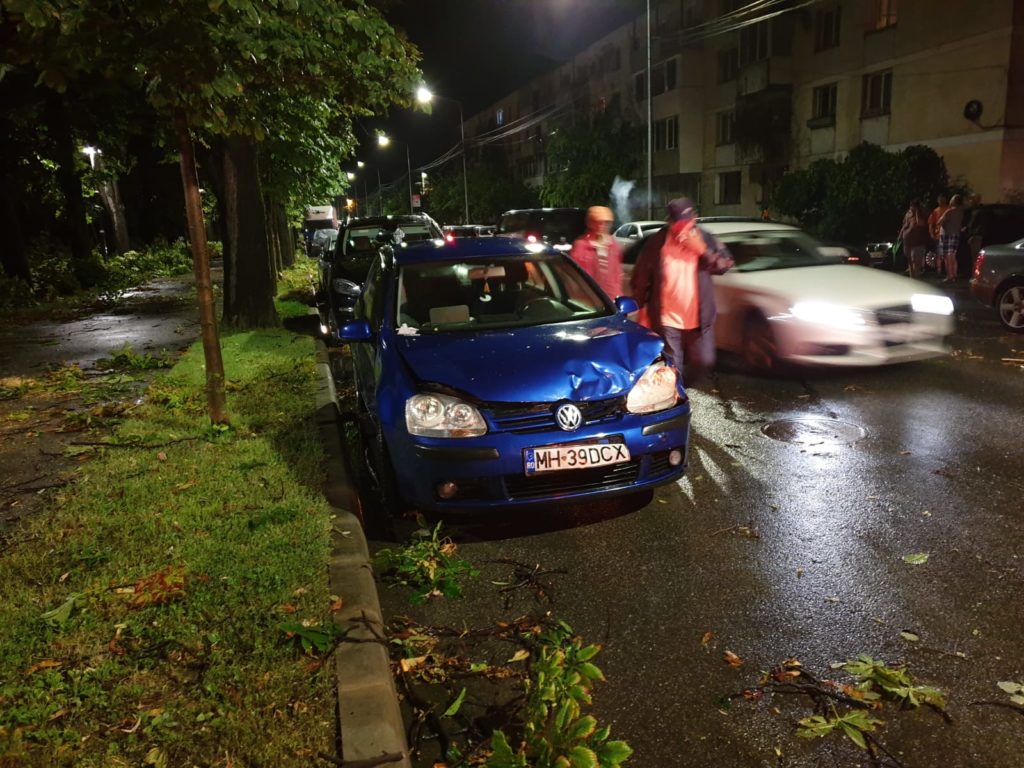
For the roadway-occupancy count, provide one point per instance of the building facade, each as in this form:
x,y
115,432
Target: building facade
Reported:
x,y
742,93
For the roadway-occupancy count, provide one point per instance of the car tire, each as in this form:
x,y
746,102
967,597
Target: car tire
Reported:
x,y
387,483
760,350
1010,306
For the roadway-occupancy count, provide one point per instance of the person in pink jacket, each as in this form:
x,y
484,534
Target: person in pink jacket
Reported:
x,y
598,253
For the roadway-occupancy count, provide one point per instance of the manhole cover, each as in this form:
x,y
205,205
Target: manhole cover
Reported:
x,y
814,431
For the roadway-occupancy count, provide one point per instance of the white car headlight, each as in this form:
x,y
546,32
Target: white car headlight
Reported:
x,y
823,313
430,415
932,304
654,391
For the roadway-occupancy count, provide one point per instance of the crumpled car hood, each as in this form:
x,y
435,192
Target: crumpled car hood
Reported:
x,y
586,360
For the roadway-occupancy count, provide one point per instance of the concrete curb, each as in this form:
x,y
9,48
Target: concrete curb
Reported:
x,y
369,719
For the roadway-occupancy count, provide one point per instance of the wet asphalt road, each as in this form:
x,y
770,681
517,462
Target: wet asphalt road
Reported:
x,y
795,549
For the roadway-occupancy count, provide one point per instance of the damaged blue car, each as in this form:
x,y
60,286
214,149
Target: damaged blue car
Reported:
x,y
495,373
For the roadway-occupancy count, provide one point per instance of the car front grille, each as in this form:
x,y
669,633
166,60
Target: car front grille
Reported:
x,y
572,481
540,417
894,315
659,465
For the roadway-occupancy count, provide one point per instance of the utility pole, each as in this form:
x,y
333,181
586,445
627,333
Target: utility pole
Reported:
x,y
465,183
408,169
650,123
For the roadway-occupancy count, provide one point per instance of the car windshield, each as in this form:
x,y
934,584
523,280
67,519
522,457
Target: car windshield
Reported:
x,y
361,241
773,249
494,294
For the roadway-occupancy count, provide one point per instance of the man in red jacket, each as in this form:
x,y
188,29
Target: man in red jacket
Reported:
x,y
598,253
672,281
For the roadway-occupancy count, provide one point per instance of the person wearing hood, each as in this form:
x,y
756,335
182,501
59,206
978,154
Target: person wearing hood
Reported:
x,y
672,283
598,253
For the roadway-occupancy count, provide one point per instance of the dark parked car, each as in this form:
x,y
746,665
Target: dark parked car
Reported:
x,y
557,227
343,270
496,374
998,281
991,225
322,243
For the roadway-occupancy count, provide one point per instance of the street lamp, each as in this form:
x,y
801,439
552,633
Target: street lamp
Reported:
x,y
424,96
383,140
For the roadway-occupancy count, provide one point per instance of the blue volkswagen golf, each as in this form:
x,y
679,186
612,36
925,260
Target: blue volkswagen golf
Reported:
x,y
496,373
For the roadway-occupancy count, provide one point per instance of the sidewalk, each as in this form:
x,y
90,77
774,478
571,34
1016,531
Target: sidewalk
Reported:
x,y
369,718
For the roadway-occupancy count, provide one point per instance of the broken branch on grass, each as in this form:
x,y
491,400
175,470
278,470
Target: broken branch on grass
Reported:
x,y
526,576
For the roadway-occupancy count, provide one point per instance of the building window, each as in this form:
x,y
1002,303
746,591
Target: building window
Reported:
x,y
826,32
666,134
754,44
724,124
499,117
824,107
877,94
728,64
640,86
728,192
663,79
693,13
884,15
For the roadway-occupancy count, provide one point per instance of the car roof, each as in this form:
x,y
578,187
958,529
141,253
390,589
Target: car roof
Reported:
x,y
645,223
746,225
467,248
543,210
408,218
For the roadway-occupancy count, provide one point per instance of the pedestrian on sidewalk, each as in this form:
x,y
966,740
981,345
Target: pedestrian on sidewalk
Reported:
x,y
914,235
672,282
933,228
950,224
598,253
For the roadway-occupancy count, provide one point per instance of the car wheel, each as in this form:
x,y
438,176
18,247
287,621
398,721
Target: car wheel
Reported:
x,y
1010,305
387,483
760,350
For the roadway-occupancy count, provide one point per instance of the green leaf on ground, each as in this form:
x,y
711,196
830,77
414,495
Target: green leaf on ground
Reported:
x,y
919,559
455,705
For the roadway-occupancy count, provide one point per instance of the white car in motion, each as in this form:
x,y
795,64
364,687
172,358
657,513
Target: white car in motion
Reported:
x,y
789,300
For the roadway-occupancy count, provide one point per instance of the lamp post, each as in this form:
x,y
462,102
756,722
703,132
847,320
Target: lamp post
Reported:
x,y
384,140
424,96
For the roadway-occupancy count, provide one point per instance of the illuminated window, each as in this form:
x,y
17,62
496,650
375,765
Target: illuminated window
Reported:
x,y
884,15
499,117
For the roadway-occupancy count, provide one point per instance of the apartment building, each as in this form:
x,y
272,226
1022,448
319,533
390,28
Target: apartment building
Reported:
x,y
743,92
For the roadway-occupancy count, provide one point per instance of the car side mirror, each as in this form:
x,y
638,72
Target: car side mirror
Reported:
x,y
356,330
626,305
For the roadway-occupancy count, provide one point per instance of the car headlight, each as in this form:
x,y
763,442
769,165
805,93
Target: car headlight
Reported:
x,y
823,313
346,287
430,415
932,304
654,391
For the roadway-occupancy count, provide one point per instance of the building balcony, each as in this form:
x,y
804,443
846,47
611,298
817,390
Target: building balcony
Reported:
x,y
763,75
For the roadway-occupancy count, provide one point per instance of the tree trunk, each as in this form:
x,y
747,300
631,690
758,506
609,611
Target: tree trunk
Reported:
x,y
201,262
272,243
284,235
227,197
70,183
253,281
111,196
12,255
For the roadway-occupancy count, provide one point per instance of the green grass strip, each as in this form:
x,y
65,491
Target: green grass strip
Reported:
x,y
141,616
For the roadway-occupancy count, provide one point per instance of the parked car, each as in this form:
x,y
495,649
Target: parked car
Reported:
x,y
343,270
453,231
998,281
789,300
557,227
633,231
495,374
322,242
988,225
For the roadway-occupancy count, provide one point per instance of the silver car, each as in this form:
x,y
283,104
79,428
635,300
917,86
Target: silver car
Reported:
x,y
998,281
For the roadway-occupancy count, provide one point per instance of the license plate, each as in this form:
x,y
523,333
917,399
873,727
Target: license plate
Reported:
x,y
564,457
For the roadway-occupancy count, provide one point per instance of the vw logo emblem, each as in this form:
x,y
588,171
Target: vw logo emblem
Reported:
x,y
568,417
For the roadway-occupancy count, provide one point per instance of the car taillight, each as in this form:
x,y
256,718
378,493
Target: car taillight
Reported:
x,y
449,238
977,264
531,238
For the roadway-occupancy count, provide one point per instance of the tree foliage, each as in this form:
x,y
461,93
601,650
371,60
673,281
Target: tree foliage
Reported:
x,y
862,197
492,191
583,160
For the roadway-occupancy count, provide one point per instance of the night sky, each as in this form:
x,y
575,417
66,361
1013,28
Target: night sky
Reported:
x,y
477,51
